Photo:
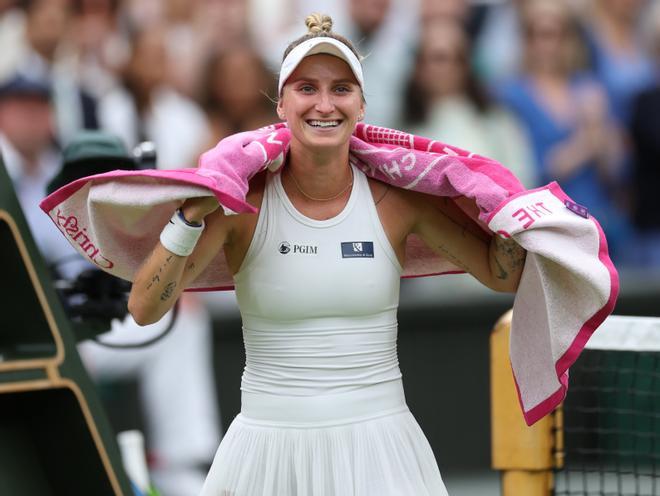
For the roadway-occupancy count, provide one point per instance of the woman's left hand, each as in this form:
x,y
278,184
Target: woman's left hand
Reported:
x,y
196,209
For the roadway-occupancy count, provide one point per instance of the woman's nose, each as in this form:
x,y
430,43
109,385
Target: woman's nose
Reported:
x,y
324,104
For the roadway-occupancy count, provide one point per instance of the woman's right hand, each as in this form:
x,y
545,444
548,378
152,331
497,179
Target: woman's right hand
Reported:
x,y
196,209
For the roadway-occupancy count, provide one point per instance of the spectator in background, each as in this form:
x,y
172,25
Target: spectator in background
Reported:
x,y
185,43
39,56
645,137
98,48
468,14
574,138
12,30
621,64
149,108
617,52
196,29
386,32
445,101
453,10
498,47
499,42
27,143
236,92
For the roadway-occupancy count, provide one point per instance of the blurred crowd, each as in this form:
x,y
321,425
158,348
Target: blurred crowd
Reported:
x,y
556,90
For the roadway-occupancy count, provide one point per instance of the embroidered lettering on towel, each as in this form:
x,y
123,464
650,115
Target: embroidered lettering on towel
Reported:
x,y
357,249
71,227
527,214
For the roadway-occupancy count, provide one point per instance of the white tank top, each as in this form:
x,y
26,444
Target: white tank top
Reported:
x,y
318,298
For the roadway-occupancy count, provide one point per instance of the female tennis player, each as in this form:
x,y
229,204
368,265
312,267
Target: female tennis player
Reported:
x,y
317,276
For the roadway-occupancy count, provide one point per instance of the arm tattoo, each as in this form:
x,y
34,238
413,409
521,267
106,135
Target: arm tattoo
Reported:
x,y
169,289
508,254
156,278
502,274
449,256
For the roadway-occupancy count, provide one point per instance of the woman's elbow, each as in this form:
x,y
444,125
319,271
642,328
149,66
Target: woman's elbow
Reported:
x,y
141,314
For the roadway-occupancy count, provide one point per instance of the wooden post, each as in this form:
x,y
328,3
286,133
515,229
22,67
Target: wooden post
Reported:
x,y
524,454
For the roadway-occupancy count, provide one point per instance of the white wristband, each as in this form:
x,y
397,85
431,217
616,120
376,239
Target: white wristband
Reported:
x,y
180,237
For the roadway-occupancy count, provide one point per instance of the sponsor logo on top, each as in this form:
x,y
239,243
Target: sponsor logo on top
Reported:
x,y
295,248
357,249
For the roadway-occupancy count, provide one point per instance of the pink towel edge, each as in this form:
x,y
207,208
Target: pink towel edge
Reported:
x,y
187,176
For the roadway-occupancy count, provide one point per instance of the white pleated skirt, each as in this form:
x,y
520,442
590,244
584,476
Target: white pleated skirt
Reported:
x,y
362,443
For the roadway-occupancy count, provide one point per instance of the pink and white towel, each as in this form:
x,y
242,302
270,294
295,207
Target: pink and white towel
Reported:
x,y
568,287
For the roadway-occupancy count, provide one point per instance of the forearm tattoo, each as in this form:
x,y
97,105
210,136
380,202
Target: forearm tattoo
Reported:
x,y
155,279
509,257
168,291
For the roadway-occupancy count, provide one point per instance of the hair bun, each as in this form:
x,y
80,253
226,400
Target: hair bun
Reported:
x,y
318,23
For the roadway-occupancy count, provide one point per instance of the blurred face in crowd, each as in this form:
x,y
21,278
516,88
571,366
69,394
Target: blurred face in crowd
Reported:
x,y
148,65
93,22
238,81
624,10
180,10
226,20
550,40
26,121
47,22
368,14
321,102
442,64
433,10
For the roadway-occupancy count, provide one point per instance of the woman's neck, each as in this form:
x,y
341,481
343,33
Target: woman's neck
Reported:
x,y
319,174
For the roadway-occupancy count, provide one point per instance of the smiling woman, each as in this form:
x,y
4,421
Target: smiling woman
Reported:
x,y
317,275
321,101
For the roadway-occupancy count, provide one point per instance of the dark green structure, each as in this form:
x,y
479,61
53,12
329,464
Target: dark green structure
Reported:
x,y
54,436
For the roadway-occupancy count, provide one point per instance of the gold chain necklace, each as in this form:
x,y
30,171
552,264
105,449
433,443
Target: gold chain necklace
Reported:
x,y
293,178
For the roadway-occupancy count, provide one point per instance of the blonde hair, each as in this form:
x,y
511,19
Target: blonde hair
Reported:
x,y
320,25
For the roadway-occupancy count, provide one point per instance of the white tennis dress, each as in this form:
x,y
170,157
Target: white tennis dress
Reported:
x,y
323,411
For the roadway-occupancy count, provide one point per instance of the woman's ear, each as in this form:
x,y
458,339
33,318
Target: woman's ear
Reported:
x,y
280,110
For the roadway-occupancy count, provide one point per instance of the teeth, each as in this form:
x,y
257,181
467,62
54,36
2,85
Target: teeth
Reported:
x,y
323,123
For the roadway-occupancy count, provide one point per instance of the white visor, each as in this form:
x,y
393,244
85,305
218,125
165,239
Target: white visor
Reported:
x,y
313,46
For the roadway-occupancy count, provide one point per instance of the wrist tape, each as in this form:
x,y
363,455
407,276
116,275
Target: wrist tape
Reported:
x,y
180,236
